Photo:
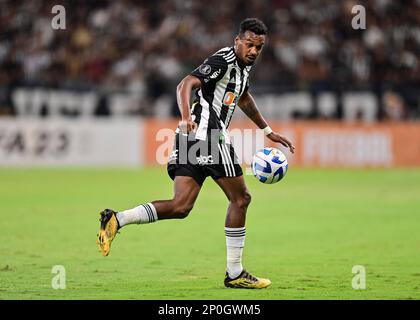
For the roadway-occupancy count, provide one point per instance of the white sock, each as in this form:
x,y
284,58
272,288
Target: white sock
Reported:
x,y
235,242
145,213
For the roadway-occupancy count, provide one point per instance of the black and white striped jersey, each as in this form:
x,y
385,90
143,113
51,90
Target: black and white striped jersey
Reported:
x,y
223,82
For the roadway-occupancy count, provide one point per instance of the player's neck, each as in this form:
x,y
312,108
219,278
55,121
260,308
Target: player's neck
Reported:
x,y
238,61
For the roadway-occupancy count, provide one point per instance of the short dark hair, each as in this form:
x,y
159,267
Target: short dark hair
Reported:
x,y
252,24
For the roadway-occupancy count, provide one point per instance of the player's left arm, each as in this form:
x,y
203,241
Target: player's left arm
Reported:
x,y
248,106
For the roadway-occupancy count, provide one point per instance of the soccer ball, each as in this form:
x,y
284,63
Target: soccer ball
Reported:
x,y
269,165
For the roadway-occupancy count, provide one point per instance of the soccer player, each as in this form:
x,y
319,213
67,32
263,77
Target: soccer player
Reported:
x,y
202,148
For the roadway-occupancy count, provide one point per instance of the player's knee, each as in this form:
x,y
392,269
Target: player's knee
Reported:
x,y
182,210
247,198
244,200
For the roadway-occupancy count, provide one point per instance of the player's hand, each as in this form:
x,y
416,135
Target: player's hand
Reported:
x,y
187,126
274,136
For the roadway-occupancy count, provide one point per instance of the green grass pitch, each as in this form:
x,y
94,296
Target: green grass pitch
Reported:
x,y
304,233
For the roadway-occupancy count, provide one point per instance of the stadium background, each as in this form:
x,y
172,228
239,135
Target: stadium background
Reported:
x,y
98,100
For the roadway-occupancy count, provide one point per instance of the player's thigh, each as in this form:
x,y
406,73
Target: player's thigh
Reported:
x,y
234,188
186,190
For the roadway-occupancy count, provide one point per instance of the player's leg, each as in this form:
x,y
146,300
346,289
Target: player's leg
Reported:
x,y
186,190
239,200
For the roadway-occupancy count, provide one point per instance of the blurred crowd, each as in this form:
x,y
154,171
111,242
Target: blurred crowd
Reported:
x,y
146,47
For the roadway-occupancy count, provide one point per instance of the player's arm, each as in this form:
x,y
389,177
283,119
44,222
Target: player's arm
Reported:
x,y
208,73
183,95
248,106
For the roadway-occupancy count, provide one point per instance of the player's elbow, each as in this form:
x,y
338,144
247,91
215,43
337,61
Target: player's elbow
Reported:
x,y
179,88
180,85
189,82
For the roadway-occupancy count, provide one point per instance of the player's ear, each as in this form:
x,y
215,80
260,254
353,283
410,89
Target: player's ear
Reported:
x,y
237,39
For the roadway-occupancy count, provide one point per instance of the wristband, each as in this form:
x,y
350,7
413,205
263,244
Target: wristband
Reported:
x,y
267,130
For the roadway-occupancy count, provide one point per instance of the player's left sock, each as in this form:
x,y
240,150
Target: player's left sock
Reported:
x,y
145,213
235,241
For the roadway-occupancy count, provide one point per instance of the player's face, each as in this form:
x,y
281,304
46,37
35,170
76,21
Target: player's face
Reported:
x,y
249,47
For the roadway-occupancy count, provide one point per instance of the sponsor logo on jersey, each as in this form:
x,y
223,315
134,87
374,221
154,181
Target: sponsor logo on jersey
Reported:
x,y
173,156
203,160
215,74
230,98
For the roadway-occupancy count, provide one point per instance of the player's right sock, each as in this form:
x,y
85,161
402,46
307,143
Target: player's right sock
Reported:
x,y
145,213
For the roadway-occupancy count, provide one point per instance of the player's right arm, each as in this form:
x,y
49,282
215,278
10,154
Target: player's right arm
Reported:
x,y
205,76
183,95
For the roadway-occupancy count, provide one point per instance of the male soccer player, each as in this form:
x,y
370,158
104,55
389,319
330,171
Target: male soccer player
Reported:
x,y
202,148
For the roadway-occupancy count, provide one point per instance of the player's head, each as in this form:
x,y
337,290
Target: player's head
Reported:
x,y
250,40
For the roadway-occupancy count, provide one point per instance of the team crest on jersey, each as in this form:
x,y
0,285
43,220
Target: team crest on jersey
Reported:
x,y
205,69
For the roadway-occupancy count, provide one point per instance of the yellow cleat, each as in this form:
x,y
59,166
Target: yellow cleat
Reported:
x,y
108,230
246,281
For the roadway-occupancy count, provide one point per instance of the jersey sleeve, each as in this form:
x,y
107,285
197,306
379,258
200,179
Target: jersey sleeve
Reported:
x,y
211,70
